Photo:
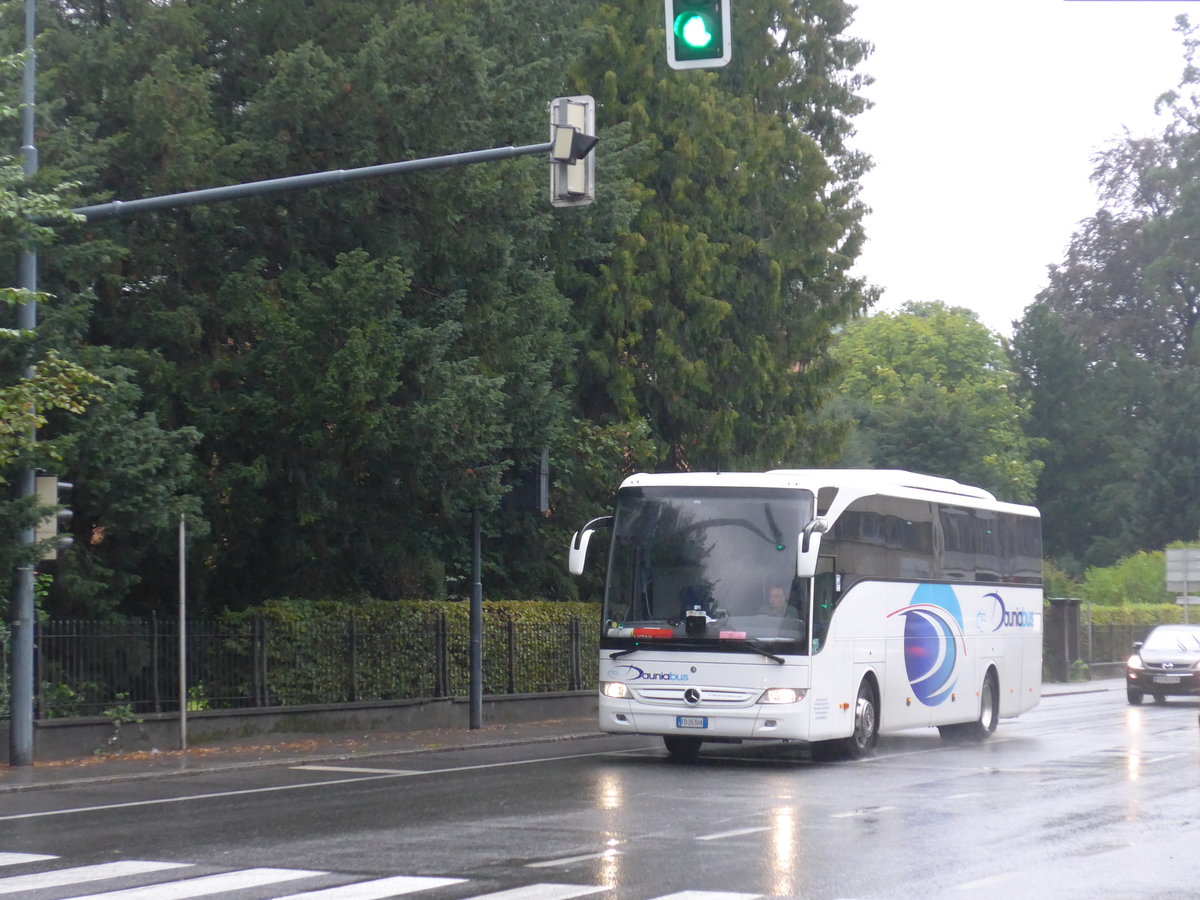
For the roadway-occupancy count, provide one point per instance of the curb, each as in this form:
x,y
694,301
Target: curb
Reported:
x,y
48,781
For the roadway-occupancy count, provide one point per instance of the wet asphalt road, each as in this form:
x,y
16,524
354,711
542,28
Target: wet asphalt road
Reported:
x,y
1083,797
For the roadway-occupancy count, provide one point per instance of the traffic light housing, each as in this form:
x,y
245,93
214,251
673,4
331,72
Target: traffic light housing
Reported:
x,y
53,493
572,162
698,33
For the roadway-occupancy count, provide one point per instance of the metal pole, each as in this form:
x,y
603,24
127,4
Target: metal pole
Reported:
x,y
476,686
21,703
296,182
183,739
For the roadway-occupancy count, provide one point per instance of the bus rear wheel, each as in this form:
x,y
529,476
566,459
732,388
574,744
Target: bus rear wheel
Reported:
x,y
989,715
682,749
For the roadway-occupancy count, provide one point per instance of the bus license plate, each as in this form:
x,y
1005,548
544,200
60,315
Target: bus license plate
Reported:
x,y
691,722
1166,679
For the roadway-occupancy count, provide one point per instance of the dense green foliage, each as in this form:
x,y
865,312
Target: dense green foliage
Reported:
x,y
930,389
1109,353
327,382
1140,578
36,380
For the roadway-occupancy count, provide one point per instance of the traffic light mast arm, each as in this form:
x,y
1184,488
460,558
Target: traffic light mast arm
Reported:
x,y
298,182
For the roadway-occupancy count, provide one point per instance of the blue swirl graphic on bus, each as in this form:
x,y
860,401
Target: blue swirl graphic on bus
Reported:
x,y
932,642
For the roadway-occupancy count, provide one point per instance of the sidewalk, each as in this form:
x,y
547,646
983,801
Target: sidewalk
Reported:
x,y
292,749
336,747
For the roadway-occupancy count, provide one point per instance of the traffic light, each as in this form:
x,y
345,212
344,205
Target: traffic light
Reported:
x,y
698,34
53,493
572,162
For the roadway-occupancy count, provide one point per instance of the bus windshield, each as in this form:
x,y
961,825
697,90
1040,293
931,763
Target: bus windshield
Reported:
x,y
706,565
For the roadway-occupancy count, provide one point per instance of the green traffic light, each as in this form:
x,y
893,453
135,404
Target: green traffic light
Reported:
x,y
694,29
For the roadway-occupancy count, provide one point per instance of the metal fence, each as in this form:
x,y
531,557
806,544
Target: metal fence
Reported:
x,y
85,668
1109,643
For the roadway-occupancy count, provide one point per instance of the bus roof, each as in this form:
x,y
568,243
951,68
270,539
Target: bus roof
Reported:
x,y
856,481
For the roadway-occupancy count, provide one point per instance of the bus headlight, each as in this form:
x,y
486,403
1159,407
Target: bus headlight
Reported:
x,y
614,689
781,695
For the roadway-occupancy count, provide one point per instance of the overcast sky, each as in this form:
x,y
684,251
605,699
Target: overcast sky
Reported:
x,y
987,114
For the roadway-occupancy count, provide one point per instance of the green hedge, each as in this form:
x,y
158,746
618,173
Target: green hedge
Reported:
x,y
335,651
1136,614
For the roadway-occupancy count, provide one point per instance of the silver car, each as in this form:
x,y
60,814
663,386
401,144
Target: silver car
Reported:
x,y
1166,663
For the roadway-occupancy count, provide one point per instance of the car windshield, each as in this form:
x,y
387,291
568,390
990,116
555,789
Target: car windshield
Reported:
x,y
727,556
1174,639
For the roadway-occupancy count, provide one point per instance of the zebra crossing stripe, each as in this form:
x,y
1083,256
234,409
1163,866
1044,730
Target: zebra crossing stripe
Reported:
x,y
542,892
377,889
15,859
206,885
16,884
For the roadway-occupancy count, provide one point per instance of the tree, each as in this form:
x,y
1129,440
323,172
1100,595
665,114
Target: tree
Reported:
x,y
37,378
712,319
357,367
931,389
1108,350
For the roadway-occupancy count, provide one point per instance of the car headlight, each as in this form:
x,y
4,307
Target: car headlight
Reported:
x,y
614,689
781,695
1134,662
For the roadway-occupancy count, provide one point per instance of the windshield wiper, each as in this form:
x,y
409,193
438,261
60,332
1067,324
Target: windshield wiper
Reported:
x,y
761,651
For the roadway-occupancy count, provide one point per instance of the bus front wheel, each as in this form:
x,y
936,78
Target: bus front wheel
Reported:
x,y
862,741
682,749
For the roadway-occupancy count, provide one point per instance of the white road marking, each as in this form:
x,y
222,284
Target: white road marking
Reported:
x,y
985,882
568,860
14,859
377,889
862,812
333,782
358,769
736,833
542,892
16,884
206,885
709,895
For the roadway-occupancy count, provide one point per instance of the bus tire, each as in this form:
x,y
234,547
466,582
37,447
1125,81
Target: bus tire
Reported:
x,y
989,714
682,749
861,742
989,710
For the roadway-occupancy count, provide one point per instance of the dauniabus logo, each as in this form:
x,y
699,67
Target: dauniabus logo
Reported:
x,y
933,642
996,615
635,673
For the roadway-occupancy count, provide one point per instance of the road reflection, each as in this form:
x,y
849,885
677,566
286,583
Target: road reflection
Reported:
x,y
784,851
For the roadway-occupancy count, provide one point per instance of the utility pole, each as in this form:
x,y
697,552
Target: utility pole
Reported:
x,y
20,732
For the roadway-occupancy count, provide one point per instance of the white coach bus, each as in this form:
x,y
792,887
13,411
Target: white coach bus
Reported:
x,y
820,605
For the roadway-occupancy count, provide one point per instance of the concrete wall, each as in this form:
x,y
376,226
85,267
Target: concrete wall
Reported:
x,y
59,739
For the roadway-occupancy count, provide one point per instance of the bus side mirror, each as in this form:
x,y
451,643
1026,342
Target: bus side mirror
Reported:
x,y
809,548
577,557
